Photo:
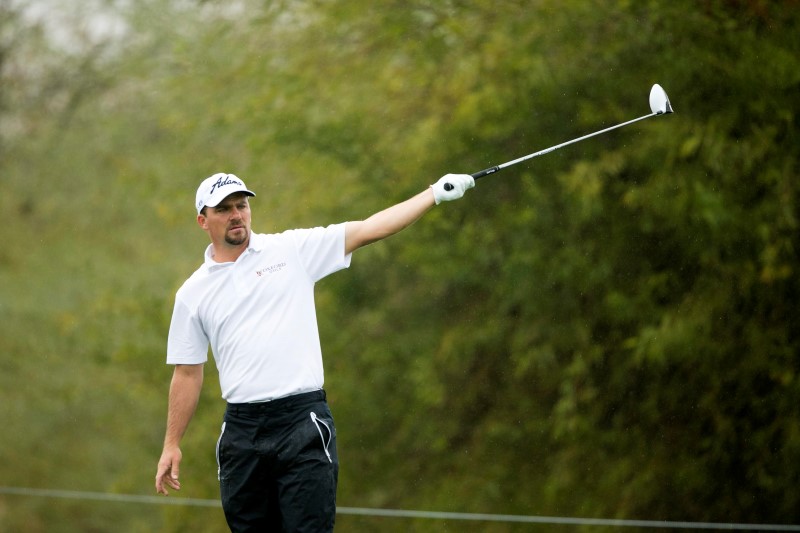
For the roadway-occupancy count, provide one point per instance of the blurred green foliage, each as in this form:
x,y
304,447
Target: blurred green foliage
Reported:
x,y
608,331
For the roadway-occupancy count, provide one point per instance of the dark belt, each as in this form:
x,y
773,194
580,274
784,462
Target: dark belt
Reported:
x,y
278,404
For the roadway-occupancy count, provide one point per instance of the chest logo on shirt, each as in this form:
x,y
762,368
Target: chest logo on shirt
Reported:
x,y
272,269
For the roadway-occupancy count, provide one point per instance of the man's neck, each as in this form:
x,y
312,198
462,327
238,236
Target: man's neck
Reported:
x,y
226,253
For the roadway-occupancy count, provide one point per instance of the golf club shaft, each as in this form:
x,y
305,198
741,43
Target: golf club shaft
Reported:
x,y
492,170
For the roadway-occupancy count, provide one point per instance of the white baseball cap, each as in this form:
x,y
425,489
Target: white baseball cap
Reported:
x,y
216,188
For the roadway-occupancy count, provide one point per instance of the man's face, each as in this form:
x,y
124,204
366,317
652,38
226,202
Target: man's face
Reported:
x,y
228,222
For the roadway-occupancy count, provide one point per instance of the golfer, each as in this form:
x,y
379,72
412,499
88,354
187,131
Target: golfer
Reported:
x,y
252,301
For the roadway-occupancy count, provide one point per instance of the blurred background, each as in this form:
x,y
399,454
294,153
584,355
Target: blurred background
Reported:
x,y
611,330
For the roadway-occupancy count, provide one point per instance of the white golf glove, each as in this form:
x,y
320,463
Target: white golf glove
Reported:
x,y
451,187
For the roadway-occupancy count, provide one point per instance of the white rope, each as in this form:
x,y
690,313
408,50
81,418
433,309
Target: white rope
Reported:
x,y
399,513
561,520
108,497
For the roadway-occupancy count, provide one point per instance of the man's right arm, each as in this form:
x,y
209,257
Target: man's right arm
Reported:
x,y
184,393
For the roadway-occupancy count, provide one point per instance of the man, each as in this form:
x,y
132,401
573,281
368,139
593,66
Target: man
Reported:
x,y
252,300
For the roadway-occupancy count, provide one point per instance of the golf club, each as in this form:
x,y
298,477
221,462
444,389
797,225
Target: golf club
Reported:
x,y
659,105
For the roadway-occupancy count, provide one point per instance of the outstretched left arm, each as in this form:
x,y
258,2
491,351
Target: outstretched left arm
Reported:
x,y
398,217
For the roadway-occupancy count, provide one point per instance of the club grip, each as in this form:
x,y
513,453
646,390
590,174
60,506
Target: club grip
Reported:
x,y
477,175
485,172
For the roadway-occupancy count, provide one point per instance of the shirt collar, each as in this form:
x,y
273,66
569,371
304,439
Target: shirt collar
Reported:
x,y
255,245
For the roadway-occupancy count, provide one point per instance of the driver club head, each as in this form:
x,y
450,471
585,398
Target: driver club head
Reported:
x,y
659,101
659,105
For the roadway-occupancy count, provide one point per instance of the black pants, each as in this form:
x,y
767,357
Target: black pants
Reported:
x,y
278,466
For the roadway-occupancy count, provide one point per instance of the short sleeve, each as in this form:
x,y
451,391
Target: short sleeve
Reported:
x,y
321,250
187,342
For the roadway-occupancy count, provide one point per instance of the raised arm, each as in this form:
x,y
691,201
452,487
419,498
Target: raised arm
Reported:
x,y
399,216
184,393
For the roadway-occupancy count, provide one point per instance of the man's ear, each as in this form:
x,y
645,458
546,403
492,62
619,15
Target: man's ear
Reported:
x,y
202,221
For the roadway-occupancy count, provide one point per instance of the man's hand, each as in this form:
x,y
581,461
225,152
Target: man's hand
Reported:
x,y
451,187
168,470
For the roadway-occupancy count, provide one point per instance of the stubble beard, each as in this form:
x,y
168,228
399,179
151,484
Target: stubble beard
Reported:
x,y
236,241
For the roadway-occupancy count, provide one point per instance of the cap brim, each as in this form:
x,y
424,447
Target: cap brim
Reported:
x,y
215,202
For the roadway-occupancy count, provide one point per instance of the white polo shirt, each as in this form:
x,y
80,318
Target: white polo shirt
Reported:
x,y
258,314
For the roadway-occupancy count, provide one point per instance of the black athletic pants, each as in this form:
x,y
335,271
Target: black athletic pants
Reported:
x,y
278,466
